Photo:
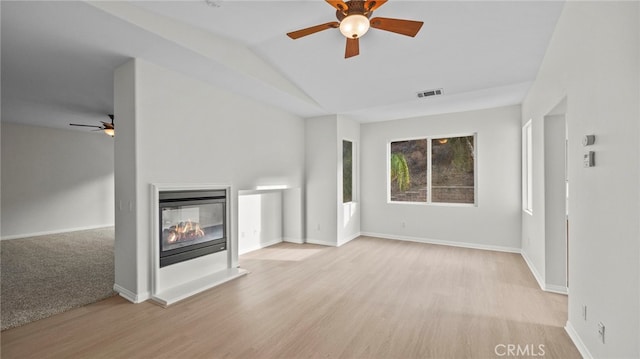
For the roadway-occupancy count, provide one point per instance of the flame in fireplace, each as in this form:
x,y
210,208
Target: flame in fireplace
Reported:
x,y
185,231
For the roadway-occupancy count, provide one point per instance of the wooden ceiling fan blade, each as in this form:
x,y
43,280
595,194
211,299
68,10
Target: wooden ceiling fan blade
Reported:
x,y
76,124
107,125
313,29
339,5
399,26
353,48
373,4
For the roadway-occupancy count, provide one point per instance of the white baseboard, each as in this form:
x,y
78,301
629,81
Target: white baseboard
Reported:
x,y
58,231
260,246
349,239
186,290
575,337
322,243
293,240
444,243
533,270
551,288
131,296
558,289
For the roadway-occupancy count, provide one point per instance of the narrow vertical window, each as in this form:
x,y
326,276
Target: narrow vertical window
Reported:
x,y
527,168
347,171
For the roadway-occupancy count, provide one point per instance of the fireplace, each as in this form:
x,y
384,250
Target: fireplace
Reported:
x,y
192,224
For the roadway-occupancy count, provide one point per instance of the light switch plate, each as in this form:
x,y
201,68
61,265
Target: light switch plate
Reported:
x,y
589,159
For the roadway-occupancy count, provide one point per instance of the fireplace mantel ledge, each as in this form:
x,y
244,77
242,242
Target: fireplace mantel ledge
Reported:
x,y
178,293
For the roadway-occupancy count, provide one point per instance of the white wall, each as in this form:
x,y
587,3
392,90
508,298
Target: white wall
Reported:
x,y
493,224
126,246
593,60
259,219
321,180
293,226
55,180
188,132
543,230
533,225
554,203
348,213
328,220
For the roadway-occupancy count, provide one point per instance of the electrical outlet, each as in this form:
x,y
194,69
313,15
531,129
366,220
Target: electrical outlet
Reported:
x,y
584,312
601,331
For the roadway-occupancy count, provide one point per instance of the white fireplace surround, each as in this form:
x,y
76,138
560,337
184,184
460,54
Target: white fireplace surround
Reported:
x,y
175,282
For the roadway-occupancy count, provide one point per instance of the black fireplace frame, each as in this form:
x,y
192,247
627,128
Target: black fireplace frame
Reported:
x,y
168,199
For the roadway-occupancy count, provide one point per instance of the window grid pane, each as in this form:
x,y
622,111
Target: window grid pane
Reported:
x,y
347,171
408,169
453,170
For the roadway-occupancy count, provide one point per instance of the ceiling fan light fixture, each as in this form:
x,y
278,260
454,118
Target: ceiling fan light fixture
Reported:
x,y
354,26
109,131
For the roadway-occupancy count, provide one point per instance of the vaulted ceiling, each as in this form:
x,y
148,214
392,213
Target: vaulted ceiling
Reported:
x,y
58,58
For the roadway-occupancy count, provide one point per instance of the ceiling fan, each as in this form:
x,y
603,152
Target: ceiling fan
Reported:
x,y
353,22
106,127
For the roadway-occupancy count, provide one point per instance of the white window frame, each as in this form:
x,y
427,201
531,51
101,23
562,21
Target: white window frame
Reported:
x,y
527,167
429,140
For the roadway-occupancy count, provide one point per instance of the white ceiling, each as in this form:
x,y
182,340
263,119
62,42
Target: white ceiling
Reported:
x,y
58,57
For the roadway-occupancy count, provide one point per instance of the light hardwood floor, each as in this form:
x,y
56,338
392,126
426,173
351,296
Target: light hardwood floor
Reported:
x,y
371,298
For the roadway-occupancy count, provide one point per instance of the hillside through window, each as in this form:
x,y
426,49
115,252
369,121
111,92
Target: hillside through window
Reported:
x,y
347,171
433,170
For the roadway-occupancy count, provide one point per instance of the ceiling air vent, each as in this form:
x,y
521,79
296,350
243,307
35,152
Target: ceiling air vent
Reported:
x,y
428,93
212,3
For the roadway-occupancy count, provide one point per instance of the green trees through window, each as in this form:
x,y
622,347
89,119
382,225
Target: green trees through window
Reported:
x,y
452,170
400,171
433,170
408,171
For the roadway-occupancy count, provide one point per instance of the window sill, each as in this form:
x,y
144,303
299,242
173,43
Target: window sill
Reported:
x,y
435,204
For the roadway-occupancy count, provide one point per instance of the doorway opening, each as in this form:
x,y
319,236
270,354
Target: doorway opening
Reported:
x,y
556,192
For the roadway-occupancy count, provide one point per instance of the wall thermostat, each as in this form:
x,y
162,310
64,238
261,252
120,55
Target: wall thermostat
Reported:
x,y
589,159
588,140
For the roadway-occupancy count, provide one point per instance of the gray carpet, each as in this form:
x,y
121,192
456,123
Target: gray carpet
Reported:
x,y
47,275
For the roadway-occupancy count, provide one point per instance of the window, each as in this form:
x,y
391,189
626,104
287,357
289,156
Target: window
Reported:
x,y
433,170
453,170
347,171
527,168
408,168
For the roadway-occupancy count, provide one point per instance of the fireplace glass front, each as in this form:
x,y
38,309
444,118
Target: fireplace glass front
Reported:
x,y
192,224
